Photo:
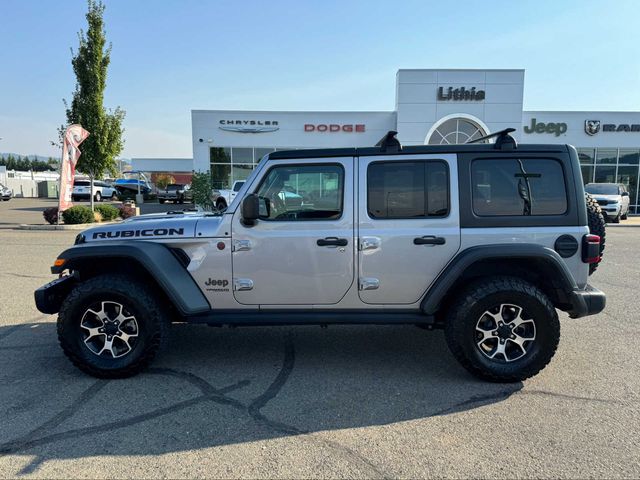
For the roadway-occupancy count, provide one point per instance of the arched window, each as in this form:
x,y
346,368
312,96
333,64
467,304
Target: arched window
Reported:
x,y
456,130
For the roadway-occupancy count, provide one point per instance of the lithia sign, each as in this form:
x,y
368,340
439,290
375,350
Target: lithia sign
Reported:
x,y
460,93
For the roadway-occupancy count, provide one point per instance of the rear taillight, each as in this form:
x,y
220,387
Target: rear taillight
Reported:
x,y
591,248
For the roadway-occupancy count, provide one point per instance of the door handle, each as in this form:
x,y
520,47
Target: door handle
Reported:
x,y
332,242
429,240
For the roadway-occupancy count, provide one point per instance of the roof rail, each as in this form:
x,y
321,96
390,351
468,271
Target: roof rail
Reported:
x,y
389,143
504,141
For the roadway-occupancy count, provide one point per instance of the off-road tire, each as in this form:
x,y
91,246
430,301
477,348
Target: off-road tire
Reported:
x,y
460,328
161,201
149,311
98,197
597,226
616,219
221,204
625,216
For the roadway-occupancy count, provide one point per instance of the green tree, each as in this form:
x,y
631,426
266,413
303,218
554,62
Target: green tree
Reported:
x,y
201,185
90,64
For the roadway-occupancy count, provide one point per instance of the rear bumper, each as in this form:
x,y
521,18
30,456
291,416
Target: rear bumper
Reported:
x,y
589,301
49,297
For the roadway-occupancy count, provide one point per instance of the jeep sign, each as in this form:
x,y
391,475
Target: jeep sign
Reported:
x,y
539,127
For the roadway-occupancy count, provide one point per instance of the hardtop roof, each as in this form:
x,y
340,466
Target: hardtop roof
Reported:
x,y
414,150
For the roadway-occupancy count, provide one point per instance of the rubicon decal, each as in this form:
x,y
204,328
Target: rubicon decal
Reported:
x,y
147,232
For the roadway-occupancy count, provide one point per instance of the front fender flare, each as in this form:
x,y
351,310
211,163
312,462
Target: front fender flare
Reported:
x,y
165,268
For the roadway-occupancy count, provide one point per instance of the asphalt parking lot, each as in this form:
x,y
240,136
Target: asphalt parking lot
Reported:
x,y
308,402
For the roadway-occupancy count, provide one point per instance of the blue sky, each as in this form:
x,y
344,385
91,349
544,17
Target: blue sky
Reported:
x,y
171,56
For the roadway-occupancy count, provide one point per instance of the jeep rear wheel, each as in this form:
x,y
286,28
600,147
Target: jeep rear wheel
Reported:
x,y
111,326
503,330
221,204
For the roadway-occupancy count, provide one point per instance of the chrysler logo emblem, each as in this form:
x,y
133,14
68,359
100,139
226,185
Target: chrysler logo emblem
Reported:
x,y
591,127
249,126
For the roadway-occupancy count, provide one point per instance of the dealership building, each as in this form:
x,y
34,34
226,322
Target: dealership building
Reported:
x,y
431,107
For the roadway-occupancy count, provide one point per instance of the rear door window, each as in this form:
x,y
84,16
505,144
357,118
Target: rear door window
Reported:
x,y
518,187
413,189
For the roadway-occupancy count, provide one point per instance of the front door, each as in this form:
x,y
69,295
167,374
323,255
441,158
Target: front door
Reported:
x,y
409,227
301,251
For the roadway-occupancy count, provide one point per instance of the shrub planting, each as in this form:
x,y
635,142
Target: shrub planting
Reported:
x,y
50,215
78,214
108,212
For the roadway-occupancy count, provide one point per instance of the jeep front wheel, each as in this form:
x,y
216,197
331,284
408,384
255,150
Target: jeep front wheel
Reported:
x,y
503,330
112,326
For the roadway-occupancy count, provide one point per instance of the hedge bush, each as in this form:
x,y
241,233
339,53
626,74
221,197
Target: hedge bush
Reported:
x,y
78,214
50,215
108,212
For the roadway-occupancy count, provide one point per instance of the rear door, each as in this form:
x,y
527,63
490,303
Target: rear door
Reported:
x,y
408,224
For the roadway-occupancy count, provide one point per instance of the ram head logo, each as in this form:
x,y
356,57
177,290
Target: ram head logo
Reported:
x,y
591,127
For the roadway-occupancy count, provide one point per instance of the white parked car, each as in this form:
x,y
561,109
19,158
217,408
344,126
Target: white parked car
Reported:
x,y
613,199
5,193
101,190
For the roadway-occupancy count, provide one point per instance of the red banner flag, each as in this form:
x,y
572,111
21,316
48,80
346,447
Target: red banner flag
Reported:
x,y
74,135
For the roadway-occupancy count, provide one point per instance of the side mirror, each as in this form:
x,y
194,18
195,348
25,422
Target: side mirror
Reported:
x,y
625,194
250,209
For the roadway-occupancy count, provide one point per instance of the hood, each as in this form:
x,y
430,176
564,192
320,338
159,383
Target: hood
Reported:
x,y
611,198
153,227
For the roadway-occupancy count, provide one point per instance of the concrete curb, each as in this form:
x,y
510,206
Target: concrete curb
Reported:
x,y
79,226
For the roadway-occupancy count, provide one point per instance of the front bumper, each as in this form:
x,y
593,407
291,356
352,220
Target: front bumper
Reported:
x,y
589,301
49,297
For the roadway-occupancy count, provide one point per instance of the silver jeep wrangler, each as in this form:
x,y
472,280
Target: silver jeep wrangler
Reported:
x,y
486,240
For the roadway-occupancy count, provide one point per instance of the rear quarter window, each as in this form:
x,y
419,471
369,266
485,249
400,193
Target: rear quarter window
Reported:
x,y
518,187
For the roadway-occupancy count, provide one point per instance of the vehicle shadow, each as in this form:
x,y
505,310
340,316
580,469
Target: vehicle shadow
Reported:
x,y
216,387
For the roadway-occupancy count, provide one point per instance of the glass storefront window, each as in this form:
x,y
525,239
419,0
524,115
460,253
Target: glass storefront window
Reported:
x,y
605,174
587,155
241,171
242,155
221,175
219,155
628,156
628,176
587,173
607,155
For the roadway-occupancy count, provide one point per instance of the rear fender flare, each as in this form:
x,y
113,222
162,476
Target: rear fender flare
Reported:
x,y
456,268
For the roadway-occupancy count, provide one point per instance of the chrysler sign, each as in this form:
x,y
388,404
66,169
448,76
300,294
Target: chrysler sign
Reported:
x,y
249,126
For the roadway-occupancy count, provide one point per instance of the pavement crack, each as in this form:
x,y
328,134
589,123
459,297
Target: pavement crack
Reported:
x,y
276,386
56,420
209,393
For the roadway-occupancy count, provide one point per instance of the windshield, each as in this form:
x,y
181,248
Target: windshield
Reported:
x,y
602,188
237,186
81,183
174,187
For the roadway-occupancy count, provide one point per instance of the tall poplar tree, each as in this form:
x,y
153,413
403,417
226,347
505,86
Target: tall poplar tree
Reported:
x,y
90,64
